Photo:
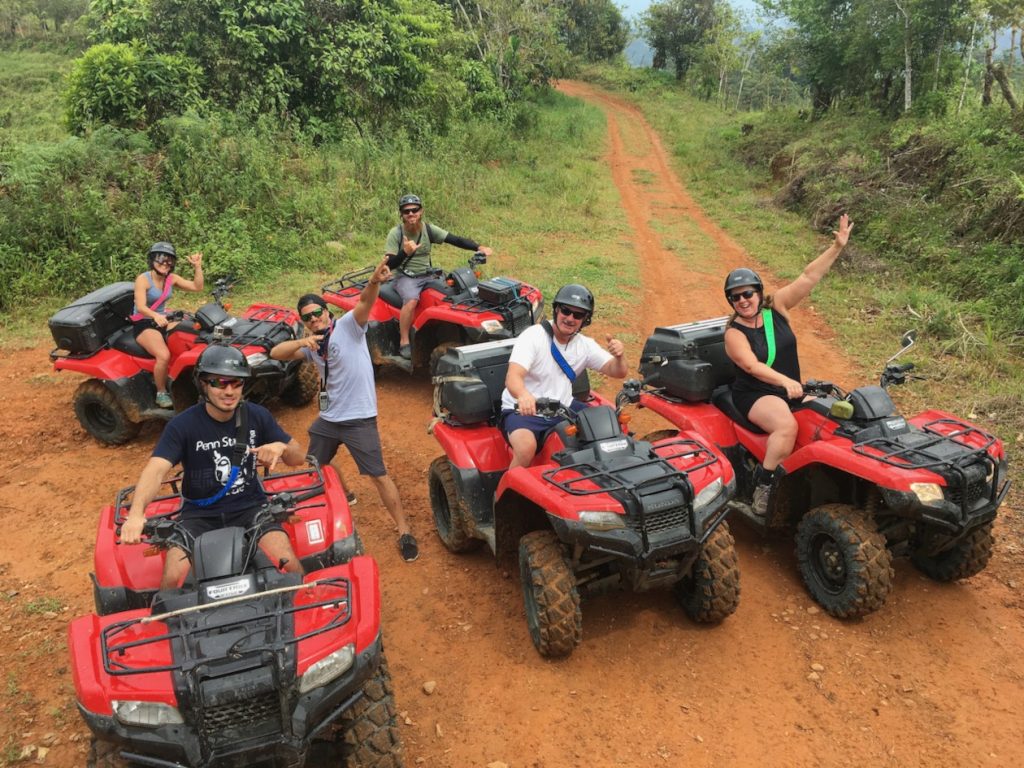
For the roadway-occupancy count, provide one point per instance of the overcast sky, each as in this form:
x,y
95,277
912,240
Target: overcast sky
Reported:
x,y
634,8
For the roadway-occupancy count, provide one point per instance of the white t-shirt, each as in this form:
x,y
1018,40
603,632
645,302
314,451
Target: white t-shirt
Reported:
x,y
544,377
350,383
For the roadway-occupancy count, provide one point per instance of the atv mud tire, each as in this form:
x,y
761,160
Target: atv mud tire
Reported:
x,y
303,387
105,754
369,728
101,415
843,560
966,558
549,593
450,513
712,590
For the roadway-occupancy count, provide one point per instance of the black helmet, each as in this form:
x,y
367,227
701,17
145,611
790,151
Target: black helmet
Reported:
x,y
405,200
575,295
220,360
164,248
742,276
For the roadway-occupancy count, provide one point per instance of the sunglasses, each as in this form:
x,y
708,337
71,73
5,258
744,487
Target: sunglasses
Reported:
x,y
313,313
163,260
221,382
734,297
579,314
407,211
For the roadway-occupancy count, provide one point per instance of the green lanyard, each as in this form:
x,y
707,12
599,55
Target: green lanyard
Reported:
x,y
769,335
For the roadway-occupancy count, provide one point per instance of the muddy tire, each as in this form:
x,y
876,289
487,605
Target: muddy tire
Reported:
x,y
438,352
101,415
843,560
450,513
303,387
967,558
184,393
712,590
104,754
549,592
659,434
369,728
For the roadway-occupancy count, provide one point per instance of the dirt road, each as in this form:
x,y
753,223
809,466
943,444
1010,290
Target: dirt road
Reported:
x,y
935,678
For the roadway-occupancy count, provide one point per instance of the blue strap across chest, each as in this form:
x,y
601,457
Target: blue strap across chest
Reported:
x,y
557,354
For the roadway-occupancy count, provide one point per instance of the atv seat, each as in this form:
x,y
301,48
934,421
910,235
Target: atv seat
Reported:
x,y
124,341
721,398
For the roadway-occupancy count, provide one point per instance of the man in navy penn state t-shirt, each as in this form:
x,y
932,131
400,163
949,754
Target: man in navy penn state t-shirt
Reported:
x,y
202,440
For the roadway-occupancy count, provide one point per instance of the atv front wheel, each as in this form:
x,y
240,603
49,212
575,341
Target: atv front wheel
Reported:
x,y
449,510
105,754
549,592
369,728
712,590
303,387
101,415
843,560
966,558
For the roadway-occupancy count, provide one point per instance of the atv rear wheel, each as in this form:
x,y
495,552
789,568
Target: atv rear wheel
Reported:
x,y
966,558
369,728
549,592
105,754
843,560
450,513
712,590
438,352
101,415
303,387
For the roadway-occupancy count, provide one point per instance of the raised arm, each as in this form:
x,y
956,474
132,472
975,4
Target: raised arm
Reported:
x,y
797,291
370,292
197,282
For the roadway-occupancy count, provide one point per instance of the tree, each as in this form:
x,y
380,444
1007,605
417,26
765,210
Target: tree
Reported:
x,y
594,29
675,30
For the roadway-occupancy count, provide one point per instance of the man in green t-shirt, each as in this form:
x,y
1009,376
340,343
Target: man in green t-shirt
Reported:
x,y
408,251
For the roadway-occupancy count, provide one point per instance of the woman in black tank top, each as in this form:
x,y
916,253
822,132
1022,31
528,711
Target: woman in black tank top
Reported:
x,y
767,365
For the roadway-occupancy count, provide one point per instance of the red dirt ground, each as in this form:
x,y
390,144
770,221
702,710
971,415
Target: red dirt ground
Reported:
x,y
932,679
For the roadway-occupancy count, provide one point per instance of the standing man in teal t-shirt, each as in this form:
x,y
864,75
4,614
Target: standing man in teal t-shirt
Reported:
x,y
408,252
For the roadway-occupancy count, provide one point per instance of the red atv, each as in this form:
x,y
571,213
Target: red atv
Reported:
x,y
245,665
596,509
457,308
94,337
863,483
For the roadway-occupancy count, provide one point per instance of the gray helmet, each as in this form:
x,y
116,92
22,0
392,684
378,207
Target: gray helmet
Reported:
x,y
165,248
220,360
576,296
405,200
740,277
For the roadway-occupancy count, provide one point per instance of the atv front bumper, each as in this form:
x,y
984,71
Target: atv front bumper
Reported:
x,y
238,744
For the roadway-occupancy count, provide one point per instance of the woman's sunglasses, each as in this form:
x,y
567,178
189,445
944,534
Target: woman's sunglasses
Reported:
x,y
579,314
313,313
221,382
734,297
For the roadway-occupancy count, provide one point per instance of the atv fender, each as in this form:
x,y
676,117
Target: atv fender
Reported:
x,y
476,447
702,418
106,365
185,362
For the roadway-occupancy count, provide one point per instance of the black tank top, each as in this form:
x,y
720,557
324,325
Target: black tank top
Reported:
x,y
786,360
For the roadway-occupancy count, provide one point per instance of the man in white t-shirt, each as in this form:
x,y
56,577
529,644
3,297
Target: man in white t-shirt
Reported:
x,y
545,361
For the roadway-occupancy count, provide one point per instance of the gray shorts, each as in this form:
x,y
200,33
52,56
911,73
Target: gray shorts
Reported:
x,y
410,287
361,438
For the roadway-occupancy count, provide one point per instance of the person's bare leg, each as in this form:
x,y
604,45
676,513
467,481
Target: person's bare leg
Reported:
x,y
392,502
278,548
524,447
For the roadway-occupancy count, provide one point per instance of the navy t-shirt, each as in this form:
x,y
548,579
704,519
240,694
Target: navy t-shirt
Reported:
x,y
203,447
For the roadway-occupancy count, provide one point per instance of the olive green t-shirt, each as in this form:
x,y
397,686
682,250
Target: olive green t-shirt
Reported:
x,y
419,262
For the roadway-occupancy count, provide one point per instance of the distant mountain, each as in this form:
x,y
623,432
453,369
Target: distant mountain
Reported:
x,y
639,53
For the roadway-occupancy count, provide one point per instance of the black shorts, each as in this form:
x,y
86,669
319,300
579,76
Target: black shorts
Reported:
x,y
146,324
198,523
744,400
361,438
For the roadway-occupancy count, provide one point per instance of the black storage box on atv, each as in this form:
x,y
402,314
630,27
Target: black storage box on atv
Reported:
x,y
469,380
83,326
687,361
498,290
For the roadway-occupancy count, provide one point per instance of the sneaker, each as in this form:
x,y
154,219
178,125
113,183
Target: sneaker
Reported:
x,y
405,351
407,546
163,400
350,497
759,505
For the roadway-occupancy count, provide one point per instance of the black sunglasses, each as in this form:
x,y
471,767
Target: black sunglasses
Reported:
x,y
223,382
579,314
307,316
410,210
734,297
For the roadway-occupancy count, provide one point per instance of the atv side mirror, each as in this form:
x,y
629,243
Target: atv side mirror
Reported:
x,y
908,339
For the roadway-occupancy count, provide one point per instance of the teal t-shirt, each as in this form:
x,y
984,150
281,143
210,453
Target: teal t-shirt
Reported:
x,y
420,260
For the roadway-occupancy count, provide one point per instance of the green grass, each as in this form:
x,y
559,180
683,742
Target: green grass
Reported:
x,y
30,101
43,605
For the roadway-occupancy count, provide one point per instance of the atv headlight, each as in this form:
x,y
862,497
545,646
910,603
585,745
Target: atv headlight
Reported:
x,y
602,521
709,494
150,714
328,668
927,493
256,358
492,326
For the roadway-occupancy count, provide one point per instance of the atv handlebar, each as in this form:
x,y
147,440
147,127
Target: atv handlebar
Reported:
x,y
223,287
